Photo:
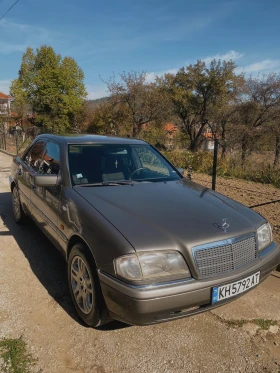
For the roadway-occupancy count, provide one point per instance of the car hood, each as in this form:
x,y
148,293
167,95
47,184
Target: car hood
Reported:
x,y
170,215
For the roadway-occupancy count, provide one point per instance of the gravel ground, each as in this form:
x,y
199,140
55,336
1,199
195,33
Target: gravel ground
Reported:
x,y
35,303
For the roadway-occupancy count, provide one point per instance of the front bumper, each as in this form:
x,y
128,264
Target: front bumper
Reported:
x,y
143,305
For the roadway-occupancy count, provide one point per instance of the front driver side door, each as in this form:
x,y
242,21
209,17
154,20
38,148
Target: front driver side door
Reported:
x,y
27,166
45,200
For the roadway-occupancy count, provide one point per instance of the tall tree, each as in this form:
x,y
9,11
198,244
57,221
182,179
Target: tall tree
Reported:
x,y
197,91
222,117
52,86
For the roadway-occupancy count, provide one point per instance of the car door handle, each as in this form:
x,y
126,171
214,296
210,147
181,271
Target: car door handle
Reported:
x,y
19,171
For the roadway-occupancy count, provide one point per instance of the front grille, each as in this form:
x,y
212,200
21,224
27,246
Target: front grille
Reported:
x,y
216,260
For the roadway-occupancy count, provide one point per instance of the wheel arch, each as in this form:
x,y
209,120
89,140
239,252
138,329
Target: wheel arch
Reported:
x,y
78,239
13,184
101,313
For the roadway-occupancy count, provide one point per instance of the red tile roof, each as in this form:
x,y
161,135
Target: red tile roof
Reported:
x,y
2,95
169,127
210,136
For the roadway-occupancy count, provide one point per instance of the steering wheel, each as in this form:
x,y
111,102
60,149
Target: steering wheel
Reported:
x,y
138,169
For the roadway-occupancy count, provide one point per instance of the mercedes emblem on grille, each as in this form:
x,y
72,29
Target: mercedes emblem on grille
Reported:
x,y
224,226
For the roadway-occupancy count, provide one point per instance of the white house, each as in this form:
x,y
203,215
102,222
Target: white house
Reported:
x,y
5,104
5,112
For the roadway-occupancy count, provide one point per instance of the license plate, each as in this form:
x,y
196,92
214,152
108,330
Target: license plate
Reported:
x,y
230,290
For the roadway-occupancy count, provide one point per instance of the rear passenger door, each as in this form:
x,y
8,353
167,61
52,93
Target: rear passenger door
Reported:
x,y
45,200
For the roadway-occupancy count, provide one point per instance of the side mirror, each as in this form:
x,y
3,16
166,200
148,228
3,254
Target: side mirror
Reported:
x,y
181,171
45,180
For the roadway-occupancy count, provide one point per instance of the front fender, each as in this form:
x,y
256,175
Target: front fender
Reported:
x,y
81,219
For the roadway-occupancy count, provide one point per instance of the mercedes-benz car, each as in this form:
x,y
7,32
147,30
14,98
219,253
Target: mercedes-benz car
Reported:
x,y
142,243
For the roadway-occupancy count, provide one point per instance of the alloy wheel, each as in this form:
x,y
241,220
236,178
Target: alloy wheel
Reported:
x,y
82,284
16,204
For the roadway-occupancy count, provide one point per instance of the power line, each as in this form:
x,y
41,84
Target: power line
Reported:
x,y
11,7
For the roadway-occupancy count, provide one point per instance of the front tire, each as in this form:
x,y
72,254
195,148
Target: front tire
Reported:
x,y
85,288
17,209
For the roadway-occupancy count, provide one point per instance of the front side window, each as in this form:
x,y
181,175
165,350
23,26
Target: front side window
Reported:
x,y
103,163
151,161
51,159
34,156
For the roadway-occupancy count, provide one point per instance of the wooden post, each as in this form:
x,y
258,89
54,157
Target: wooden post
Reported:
x,y
16,135
4,137
215,158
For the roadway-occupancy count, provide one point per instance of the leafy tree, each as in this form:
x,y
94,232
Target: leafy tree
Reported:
x,y
142,101
52,86
108,119
196,92
155,135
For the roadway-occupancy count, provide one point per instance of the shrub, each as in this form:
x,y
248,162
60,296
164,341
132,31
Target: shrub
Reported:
x,y
254,169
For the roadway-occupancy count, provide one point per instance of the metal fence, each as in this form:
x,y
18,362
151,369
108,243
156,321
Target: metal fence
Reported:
x,y
259,165
15,139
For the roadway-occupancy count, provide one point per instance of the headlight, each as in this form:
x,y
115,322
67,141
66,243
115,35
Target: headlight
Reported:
x,y
148,267
264,236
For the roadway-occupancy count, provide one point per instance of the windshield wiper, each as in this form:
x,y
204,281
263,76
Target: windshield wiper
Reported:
x,y
118,182
108,183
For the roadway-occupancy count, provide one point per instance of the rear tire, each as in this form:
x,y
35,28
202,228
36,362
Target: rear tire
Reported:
x,y
18,212
85,288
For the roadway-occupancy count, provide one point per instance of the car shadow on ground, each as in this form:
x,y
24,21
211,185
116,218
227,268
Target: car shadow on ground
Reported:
x,y
45,260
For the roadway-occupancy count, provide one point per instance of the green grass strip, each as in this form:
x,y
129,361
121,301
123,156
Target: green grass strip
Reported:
x,y
14,357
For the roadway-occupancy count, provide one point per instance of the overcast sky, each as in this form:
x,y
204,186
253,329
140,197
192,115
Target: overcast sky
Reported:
x,y
107,37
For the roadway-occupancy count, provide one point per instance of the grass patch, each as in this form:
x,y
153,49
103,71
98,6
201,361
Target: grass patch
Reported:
x,y
14,357
262,323
236,323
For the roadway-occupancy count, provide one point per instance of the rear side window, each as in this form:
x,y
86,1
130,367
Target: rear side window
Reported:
x,y
51,159
34,156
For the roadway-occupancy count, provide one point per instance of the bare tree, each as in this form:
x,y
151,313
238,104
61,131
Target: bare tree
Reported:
x,y
277,147
272,133
258,107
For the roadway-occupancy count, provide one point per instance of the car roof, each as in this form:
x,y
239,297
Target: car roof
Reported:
x,y
91,139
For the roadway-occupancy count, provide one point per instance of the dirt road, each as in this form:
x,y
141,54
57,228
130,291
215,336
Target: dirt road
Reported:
x,y
35,303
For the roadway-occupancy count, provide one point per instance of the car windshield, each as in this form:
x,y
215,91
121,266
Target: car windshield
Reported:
x,y
114,164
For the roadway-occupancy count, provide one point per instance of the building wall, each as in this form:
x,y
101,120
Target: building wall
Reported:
x,y
4,106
